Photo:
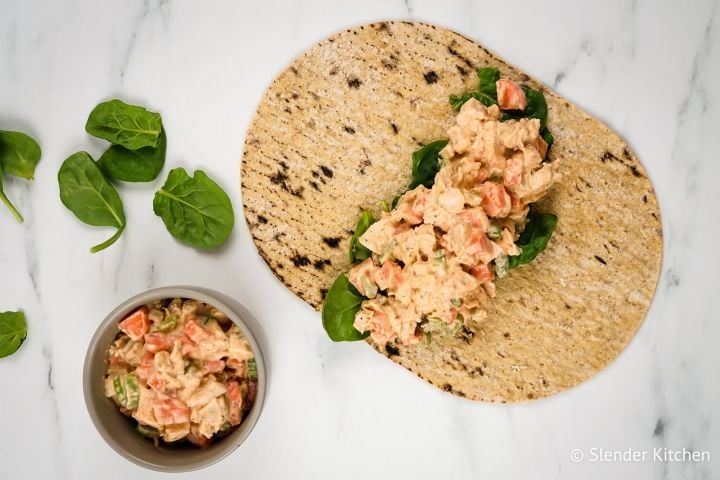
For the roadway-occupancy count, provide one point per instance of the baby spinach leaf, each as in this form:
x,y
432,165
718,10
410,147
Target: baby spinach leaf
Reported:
x,y
19,154
141,165
341,304
126,125
358,251
486,92
7,201
547,136
13,331
90,197
195,209
534,239
426,164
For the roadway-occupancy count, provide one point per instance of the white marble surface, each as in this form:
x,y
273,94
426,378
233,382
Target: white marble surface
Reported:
x,y
650,69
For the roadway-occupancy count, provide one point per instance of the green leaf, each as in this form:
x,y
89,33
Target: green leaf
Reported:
x,y
7,201
359,252
338,314
534,239
126,125
90,197
19,154
547,136
141,165
13,331
486,92
195,209
426,164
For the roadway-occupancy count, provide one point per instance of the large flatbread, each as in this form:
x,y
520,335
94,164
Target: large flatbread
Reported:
x,y
334,134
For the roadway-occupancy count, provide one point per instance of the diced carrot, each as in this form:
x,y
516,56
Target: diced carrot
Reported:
x,y
169,411
510,95
482,273
235,397
196,333
215,366
136,324
156,342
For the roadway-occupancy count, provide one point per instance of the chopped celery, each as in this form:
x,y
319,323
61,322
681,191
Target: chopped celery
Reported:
x,y
252,369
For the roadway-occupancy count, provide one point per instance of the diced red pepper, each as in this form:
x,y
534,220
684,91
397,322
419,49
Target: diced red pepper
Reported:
x,y
198,439
136,324
169,411
156,384
483,273
157,342
196,333
146,366
215,366
510,95
235,397
234,363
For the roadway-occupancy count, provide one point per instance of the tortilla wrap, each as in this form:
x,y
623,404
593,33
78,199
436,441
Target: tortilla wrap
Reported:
x,y
334,134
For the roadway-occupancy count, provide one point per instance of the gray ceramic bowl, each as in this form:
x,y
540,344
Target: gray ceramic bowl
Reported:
x,y
117,430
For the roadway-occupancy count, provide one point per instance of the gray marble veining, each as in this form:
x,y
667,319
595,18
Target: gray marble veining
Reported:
x,y
648,69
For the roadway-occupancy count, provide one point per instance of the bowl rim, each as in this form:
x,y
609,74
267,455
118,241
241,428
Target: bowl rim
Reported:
x,y
178,291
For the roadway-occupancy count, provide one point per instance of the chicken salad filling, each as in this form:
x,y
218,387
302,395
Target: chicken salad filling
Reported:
x,y
183,371
428,265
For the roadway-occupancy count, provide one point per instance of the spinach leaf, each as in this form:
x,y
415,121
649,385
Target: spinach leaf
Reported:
x,y
426,164
13,331
534,238
7,201
141,165
359,252
486,92
90,197
338,314
536,108
547,136
126,125
195,209
19,154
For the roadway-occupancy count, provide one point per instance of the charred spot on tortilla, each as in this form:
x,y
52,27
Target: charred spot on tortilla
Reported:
x,y
354,82
320,264
300,260
392,350
262,219
326,171
332,242
349,129
431,77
